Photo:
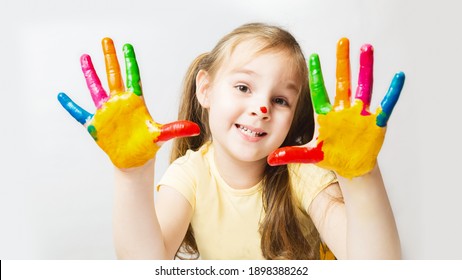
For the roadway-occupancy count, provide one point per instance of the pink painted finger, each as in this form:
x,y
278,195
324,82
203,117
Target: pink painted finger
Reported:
x,y
287,155
365,79
178,129
98,94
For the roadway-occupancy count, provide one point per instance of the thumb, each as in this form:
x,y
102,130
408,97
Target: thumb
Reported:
x,y
178,129
296,154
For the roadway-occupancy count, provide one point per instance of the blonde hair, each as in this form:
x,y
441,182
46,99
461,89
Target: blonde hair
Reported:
x,y
281,234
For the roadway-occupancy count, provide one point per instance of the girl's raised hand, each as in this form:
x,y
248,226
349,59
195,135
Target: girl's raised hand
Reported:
x,y
122,125
350,137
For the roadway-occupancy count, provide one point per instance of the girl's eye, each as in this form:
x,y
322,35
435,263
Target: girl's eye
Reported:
x,y
242,88
281,101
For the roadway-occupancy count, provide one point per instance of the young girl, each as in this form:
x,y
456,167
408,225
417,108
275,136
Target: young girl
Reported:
x,y
220,199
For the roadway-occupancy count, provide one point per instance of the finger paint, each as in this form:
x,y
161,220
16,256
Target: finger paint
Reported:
x,y
365,78
114,76
121,130
132,70
92,130
288,155
343,88
318,90
98,94
178,129
390,99
351,142
75,110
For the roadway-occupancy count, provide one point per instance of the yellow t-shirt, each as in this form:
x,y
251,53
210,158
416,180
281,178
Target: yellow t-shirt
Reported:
x,y
226,220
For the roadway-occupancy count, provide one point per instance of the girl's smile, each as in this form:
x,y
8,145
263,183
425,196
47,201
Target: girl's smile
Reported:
x,y
251,134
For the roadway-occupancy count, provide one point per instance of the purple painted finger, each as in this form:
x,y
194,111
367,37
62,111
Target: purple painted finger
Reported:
x,y
365,79
98,94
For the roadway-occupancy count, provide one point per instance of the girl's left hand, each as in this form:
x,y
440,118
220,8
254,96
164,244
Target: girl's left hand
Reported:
x,y
349,137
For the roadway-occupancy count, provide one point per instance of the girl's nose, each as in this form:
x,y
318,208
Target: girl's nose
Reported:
x,y
262,112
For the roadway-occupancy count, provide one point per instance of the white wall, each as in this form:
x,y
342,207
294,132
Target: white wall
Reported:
x,y
56,185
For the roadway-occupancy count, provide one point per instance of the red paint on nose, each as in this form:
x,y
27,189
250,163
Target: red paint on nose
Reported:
x,y
263,110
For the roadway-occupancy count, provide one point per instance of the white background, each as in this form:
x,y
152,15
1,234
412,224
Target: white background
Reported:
x,y
56,185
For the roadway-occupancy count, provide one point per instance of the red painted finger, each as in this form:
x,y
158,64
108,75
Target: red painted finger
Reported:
x,y
178,129
287,155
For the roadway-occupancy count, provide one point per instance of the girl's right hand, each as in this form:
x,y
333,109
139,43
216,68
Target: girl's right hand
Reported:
x,y
122,125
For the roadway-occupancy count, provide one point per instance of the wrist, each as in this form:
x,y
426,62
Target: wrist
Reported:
x,y
375,171
137,176
362,186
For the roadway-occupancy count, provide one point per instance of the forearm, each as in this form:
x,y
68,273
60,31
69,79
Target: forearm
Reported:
x,y
137,234
371,228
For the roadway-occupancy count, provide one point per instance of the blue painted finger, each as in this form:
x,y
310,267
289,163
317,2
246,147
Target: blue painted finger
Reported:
x,y
390,99
75,110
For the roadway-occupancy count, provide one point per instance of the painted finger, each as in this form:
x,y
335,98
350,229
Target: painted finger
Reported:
x,y
365,79
98,94
75,110
178,129
133,72
287,155
343,88
390,99
318,90
114,76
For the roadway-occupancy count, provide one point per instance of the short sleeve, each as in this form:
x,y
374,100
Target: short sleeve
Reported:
x,y
308,180
181,175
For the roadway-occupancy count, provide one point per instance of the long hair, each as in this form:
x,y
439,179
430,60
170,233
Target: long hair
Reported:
x,y
282,236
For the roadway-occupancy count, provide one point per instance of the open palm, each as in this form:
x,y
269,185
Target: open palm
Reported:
x,y
350,136
122,125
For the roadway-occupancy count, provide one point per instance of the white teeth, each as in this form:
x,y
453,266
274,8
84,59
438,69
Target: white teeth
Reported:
x,y
249,132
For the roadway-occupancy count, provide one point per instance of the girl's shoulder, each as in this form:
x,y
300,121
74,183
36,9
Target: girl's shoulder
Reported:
x,y
187,172
190,168
194,158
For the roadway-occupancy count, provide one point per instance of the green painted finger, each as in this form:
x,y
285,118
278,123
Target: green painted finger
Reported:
x,y
133,72
318,90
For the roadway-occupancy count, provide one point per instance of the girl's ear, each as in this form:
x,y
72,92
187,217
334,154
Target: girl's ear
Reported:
x,y
202,87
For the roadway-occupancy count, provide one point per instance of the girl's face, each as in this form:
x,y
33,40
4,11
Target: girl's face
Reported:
x,y
251,102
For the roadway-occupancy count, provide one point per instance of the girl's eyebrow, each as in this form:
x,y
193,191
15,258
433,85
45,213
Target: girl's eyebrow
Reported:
x,y
293,87
244,71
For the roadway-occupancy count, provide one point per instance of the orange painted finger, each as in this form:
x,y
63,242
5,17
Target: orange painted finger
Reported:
x,y
114,76
343,87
